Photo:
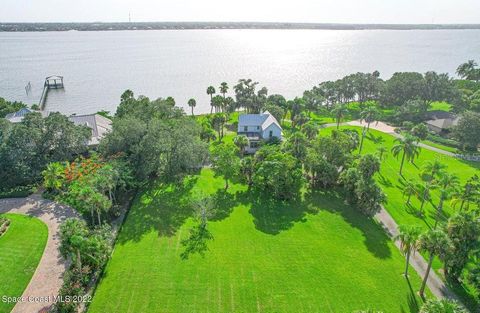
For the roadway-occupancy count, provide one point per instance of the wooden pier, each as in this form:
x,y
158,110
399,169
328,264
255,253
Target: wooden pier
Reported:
x,y
51,82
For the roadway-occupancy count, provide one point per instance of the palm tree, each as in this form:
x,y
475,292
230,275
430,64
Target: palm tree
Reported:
x,y
217,103
442,306
470,192
340,110
211,91
448,184
408,147
429,175
192,103
408,236
241,142
53,176
369,114
466,70
434,242
409,190
73,233
223,89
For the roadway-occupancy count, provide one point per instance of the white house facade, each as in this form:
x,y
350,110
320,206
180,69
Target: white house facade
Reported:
x,y
258,127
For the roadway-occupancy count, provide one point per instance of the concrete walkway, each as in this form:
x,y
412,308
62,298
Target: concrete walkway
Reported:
x,y
48,277
434,283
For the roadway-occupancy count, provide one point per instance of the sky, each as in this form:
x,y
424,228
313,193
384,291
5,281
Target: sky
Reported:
x,y
314,11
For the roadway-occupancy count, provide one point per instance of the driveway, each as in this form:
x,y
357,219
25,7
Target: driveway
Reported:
x,y
48,277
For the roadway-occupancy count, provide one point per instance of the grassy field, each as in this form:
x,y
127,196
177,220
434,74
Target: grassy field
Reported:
x,y
440,146
314,255
440,106
392,184
21,248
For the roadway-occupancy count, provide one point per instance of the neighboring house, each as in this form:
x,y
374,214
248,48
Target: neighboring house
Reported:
x,y
98,124
441,121
18,116
258,127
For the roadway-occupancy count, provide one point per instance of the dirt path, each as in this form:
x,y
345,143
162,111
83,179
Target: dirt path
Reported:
x,y
48,277
434,283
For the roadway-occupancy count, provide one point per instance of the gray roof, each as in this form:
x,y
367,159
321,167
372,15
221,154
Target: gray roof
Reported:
x,y
98,124
17,117
438,114
264,120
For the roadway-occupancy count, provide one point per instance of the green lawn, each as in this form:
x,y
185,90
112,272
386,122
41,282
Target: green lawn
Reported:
x,y
391,183
314,255
440,146
21,248
440,106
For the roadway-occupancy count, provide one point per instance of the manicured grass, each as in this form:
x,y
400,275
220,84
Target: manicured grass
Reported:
x,y
314,255
440,146
392,183
21,248
440,106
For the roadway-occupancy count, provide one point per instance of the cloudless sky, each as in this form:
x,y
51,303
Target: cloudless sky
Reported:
x,y
316,11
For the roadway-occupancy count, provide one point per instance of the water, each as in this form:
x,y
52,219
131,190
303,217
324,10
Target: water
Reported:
x,y
99,66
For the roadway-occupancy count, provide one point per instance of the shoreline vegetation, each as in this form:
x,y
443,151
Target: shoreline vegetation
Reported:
x,y
101,26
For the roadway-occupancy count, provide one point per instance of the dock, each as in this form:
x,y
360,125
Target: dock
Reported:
x,y
51,82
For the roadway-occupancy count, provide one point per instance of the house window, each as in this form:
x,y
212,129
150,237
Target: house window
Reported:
x,y
270,134
245,128
254,144
258,127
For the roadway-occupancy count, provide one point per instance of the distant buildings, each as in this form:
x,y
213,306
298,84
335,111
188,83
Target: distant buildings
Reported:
x,y
258,127
441,121
98,124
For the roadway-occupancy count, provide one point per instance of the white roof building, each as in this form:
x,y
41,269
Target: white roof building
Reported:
x,y
257,127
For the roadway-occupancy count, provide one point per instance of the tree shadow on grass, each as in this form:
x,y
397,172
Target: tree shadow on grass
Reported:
x,y
413,305
385,181
162,208
273,216
375,139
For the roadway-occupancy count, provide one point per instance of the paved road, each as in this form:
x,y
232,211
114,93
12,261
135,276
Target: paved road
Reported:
x,y
48,277
434,282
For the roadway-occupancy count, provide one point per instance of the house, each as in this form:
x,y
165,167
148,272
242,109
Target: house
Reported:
x,y
17,117
99,125
440,121
258,127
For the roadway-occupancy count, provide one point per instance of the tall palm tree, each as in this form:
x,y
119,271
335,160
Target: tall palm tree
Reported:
x,y
340,110
241,142
448,184
434,242
217,103
408,236
192,103
429,175
407,146
470,192
369,114
223,89
409,190
211,91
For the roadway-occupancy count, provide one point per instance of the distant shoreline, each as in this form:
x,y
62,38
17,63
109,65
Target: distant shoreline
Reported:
x,y
42,27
